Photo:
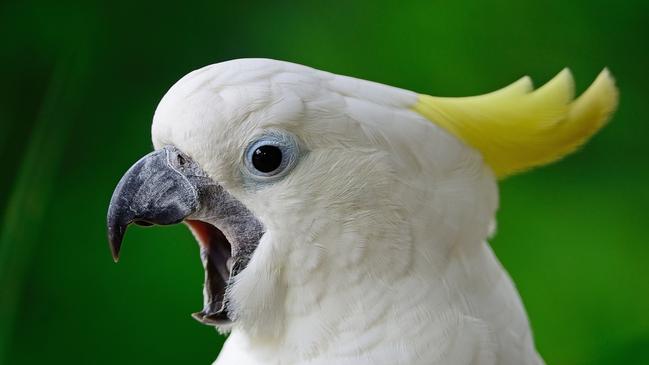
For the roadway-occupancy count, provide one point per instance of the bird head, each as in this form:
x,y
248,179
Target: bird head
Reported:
x,y
309,193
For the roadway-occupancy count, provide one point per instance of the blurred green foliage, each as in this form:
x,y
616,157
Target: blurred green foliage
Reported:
x,y
80,81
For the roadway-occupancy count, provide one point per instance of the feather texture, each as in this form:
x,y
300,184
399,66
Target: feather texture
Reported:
x,y
516,128
375,248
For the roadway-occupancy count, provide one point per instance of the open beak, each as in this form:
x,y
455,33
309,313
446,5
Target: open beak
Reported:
x,y
167,187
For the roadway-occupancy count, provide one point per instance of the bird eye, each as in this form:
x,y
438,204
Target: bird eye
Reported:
x,y
271,155
267,158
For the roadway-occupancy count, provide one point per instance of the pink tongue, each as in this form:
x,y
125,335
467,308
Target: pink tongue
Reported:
x,y
201,231
215,252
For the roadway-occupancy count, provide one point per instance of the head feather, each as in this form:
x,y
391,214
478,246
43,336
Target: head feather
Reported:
x,y
516,128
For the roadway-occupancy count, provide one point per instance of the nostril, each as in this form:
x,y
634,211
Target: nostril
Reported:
x,y
181,160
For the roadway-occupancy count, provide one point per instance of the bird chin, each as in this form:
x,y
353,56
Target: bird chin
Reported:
x,y
219,265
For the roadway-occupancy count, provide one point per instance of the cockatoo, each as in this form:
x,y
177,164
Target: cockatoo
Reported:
x,y
342,221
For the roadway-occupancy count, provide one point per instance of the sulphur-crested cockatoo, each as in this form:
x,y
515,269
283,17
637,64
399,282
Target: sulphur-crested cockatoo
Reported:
x,y
341,221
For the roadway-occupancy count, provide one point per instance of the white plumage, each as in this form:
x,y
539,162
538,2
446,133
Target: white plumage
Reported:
x,y
375,248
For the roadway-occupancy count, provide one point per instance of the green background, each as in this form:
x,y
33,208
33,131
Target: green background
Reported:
x,y
80,81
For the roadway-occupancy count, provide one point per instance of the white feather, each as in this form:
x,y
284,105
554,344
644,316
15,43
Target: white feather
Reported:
x,y
375,251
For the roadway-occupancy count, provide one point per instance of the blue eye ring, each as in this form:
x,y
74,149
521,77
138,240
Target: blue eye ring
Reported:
x,y
273,141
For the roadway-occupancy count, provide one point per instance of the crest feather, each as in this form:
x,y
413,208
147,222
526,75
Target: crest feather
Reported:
x,y
516,128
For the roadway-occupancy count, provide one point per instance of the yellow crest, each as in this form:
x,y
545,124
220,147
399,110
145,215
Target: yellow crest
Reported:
x,y
517,128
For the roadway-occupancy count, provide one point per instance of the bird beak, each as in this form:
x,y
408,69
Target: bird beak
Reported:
x,y
153,191
167,187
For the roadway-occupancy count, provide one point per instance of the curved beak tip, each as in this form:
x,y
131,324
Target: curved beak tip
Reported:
x,y
115,236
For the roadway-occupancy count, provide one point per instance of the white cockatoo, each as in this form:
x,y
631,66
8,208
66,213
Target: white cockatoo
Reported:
x,y
343,221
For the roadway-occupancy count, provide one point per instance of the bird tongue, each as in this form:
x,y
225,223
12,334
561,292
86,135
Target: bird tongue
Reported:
x,y
216,258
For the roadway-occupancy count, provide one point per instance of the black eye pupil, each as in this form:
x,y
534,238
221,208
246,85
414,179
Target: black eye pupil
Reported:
x,y
267,158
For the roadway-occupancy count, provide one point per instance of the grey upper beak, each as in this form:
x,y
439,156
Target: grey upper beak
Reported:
x,y
153,191
167,187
